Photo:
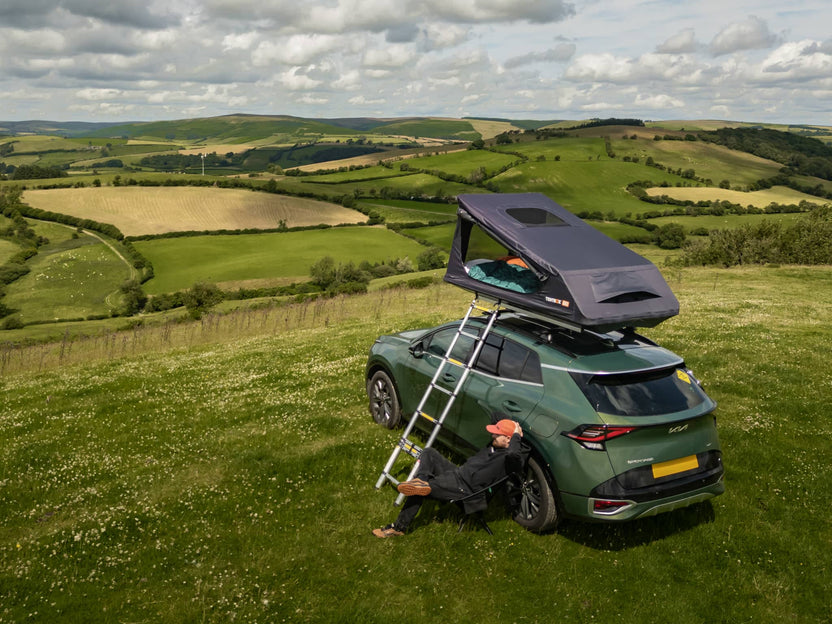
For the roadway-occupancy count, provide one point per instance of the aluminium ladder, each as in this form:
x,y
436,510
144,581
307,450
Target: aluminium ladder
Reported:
x,y
405,443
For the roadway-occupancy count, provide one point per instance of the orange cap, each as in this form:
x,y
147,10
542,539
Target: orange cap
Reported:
x,y
504,427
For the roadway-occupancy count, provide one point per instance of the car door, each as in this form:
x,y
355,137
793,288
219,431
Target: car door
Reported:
x,y
506,379
426,357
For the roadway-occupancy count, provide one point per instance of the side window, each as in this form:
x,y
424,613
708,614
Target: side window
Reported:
x,y
441,340
517,362
489,359
508,359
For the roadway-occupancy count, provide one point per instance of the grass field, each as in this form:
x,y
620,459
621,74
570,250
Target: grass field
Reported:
x,y
223,470
156,210
7,250
591,185
758,199
711,222
73,278
708,161
181,262
404,211
461,163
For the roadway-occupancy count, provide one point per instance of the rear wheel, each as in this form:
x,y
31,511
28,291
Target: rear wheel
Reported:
x,y
538,510
384,400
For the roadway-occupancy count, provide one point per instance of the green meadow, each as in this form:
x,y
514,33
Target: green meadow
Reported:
x,y
462,163
407,211
591,185
181,262
222,470
712,222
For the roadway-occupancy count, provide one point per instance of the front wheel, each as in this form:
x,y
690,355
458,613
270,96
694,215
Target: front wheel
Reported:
x,y
384,400
538,510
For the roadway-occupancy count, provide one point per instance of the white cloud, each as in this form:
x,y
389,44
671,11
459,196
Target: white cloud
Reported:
x,y
561,52
242,41
604,67
389,57
681,43
539,11
351,81
295,50
360,100
98,94
294,81
658,101
799,60
751,34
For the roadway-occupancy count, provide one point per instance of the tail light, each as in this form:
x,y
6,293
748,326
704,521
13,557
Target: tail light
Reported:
x,y
594,437
608,506
603,507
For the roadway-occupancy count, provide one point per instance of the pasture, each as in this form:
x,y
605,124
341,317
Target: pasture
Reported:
x,y
725,222
282,257
223,470
156,210
591,185
7,249
758,199
405,211
461,163
69,279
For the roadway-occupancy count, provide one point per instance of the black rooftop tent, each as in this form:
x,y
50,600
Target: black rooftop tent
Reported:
x,y
578,275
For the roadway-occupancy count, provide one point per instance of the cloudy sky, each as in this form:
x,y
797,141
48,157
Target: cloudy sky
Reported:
x,y
116,60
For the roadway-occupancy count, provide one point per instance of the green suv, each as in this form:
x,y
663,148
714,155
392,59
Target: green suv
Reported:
x,y
619,427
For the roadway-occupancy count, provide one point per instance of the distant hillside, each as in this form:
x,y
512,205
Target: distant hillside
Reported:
x,y
59,128
804,154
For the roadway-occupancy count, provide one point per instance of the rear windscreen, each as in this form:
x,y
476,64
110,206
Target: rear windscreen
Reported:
x,y
641,394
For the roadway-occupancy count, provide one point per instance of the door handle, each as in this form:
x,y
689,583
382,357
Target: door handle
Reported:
x,y
511,406
448,377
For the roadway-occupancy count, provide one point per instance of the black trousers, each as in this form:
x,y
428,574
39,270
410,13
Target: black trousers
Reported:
x,y
445,485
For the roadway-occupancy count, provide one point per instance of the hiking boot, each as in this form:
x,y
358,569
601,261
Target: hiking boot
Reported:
x,y
414,487
387,531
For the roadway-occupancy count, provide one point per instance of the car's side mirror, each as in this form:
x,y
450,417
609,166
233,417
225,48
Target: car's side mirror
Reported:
x,y
417,349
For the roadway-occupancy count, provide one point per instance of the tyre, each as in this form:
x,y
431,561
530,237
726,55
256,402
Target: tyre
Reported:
x,y
538,510
384,400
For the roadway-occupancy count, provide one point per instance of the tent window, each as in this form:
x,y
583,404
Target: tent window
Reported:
x,y
534,216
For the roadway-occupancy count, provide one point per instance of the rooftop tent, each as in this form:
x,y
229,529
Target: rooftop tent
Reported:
x,y
555,265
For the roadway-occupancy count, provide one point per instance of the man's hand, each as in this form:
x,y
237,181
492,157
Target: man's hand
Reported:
x,y
518,429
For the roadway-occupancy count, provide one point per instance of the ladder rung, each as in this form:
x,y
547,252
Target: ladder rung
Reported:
x,y
470,335
411,449
485,309
390,478
428,417
457,362
441,389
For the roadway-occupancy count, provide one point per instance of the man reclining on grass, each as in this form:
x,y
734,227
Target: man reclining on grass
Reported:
x,y
440,479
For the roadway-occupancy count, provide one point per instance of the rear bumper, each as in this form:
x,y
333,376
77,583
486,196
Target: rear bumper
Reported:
x,y
584,507
613,501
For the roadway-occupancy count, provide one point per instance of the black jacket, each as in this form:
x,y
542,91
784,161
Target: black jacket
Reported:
x,y
489,465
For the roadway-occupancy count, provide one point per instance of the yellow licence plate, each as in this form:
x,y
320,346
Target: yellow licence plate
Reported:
x,y
675,465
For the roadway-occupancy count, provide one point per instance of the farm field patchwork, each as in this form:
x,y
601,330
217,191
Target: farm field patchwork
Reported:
x,y
212,470
139,210
181,262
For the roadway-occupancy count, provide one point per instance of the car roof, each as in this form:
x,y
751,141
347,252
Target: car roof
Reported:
x,y
585,351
